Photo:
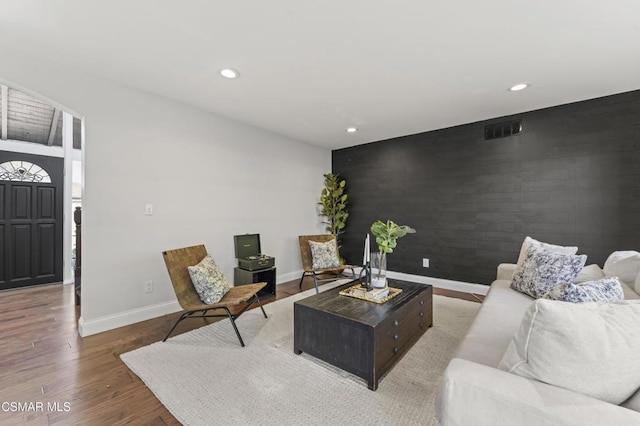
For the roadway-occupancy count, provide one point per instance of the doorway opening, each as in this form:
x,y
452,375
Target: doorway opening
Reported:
x,y
40,185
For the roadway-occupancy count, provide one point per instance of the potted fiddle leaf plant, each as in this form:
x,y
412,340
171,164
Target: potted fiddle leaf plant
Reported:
x,y
333,204
387,235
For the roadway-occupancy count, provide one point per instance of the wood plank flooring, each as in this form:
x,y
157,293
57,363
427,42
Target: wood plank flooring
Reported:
x,y
51,376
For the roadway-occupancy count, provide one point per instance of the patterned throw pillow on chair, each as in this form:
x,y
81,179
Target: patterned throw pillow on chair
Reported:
x,y
544,269
324,255
208,280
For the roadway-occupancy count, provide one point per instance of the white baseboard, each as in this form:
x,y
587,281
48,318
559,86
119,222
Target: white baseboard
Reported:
x,y
289,276
109,322
461,286
441,283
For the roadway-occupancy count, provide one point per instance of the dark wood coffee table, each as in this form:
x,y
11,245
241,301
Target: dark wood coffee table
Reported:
x,y
361,337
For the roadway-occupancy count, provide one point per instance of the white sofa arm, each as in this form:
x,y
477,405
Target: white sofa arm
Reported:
x,y
474,394
505,271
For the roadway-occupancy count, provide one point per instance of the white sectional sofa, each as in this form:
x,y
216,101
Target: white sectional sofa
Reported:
x,y
476,392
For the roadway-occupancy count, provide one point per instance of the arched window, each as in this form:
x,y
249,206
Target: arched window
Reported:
x,y
23,171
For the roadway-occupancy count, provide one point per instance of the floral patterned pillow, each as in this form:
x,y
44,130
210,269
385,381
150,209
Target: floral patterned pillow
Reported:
x,y
324,255
544,269
208,280
604,290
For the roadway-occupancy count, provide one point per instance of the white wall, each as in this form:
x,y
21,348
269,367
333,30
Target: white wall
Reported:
x,y
208,178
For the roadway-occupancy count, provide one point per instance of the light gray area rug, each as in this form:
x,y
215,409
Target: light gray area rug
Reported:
x,y
204,377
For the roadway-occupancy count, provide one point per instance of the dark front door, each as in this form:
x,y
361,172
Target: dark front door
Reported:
x,y
30,220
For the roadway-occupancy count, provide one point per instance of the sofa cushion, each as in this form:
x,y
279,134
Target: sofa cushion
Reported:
x,y
497,321
629,292
589,273
590,348
624,265
477,395
528,241
633,403
606,289
544,269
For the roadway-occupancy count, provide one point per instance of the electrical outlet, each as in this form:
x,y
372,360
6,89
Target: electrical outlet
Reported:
x,y
148,286
425,263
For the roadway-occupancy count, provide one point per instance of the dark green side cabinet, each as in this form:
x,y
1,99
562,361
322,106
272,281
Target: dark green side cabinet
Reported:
x,y
268,275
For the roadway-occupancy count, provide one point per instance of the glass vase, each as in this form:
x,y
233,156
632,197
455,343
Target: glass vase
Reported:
x,y
379,270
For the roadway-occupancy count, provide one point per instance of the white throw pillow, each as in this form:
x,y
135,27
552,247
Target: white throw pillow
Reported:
x,y
637,287
589,348
624,265
589,273
528,241
544,269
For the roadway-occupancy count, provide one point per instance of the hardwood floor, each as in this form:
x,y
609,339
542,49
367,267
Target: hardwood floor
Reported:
x,y
51,376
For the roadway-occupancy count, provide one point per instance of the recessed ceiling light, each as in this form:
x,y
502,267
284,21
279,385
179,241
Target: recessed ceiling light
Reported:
x,y
229,73
519,86
351,130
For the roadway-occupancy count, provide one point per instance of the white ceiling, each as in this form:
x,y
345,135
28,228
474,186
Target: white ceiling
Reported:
x,y
309,69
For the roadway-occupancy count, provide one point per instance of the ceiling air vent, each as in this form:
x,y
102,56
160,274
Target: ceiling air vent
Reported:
x,y
502,130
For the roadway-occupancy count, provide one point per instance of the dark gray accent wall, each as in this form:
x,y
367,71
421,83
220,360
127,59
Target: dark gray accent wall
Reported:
x,y
572,177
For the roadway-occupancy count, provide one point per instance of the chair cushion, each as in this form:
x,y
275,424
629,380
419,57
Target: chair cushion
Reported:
x,y
544,269
589,348
324,255
604,290
208,280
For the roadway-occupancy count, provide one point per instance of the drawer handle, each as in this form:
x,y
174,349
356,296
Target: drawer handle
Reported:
x,y
421,325
395,350
395,337
396,323
422,302
421,314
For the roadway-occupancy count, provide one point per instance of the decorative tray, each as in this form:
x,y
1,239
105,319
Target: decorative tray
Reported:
x,y
358,292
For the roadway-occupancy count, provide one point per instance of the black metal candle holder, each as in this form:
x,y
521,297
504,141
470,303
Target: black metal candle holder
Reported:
x,y
365,281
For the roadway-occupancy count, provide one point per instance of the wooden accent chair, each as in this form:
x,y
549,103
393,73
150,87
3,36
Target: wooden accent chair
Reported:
x,y
243,296
319,275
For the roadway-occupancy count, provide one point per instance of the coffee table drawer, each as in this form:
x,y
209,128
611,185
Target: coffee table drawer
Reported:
x,y
400,331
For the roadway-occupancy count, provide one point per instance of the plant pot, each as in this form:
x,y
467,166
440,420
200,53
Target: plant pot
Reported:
x,y
379,270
